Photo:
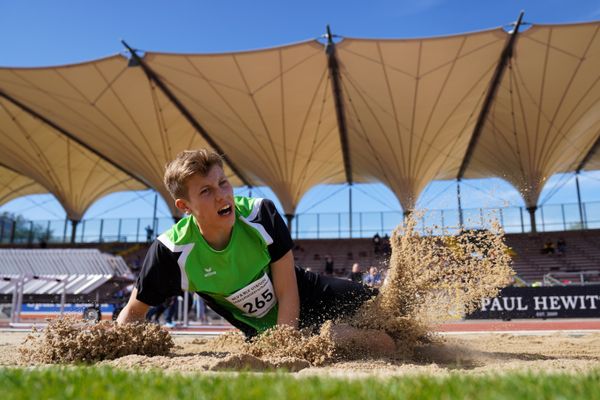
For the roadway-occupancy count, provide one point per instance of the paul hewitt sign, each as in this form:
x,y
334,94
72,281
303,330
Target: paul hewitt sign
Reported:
x,y
542,302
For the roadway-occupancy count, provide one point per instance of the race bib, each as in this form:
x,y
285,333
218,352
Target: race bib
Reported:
x,y
256,299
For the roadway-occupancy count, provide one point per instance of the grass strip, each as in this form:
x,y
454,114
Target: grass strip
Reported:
x,y
107,383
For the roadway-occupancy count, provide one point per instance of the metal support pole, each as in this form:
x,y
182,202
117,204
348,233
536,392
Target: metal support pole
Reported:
x,y
20,298
197,303
48,232
581,219
522,222
13,230
297,224
318,225
186,307
30,233
65,230
15,296
562,211
461,222
350,209
154,222
381,218
2,225
443,224
359,224
179,316
137,231
101,229
531,211
289,218
63,297
74,223
119,230
82,231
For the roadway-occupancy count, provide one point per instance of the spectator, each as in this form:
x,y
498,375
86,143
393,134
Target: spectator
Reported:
x,y
149,233
356,274
561,247
373,278
171,311
376,243
154,313
548,247
387,249
200,306
328,265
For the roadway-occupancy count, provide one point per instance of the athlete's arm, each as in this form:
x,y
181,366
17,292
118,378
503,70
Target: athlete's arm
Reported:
x,y
286,290
134,311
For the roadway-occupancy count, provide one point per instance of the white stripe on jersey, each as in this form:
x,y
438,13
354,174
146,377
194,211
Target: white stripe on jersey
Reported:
x,y
185,250
253,214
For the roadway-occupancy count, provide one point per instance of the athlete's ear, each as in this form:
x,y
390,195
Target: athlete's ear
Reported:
x,y
182,205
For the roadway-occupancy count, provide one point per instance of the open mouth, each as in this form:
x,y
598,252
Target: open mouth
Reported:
x,y
226,210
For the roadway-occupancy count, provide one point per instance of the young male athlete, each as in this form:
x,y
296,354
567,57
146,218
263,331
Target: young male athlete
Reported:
x,y
236,253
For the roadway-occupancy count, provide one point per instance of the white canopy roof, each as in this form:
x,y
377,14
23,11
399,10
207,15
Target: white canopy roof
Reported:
x,y
410,109
546,113
13,185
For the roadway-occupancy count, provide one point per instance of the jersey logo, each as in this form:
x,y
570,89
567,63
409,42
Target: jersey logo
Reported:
x,y
209,272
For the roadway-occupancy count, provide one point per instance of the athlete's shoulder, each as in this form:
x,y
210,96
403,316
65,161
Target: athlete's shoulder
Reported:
x,y
180,233
251,206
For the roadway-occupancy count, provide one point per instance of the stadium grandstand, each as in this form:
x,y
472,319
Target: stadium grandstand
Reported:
x,y
519,104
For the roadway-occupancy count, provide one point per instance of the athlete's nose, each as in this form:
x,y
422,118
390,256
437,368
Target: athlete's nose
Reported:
x,y
221,194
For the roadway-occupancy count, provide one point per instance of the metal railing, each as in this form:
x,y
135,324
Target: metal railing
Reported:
x,y
550,217
579,278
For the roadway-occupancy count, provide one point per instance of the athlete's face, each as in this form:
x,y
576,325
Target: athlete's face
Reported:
x,y
210,200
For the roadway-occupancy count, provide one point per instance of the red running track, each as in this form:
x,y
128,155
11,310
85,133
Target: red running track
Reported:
x,y
521,325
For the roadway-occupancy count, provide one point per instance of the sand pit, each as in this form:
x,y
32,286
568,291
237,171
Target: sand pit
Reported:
x,y
468,353
431,279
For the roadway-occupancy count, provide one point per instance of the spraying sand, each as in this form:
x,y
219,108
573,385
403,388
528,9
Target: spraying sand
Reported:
x,y
67,340
434,279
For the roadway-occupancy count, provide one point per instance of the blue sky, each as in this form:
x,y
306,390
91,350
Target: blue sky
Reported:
x,y
42,33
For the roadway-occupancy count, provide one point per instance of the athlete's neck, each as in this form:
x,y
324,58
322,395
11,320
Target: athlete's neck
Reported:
x,y
218,239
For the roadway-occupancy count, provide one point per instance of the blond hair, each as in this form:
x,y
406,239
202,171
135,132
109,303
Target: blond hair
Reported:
x,y
186,164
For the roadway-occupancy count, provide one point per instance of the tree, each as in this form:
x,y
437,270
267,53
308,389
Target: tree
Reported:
x,y
25,231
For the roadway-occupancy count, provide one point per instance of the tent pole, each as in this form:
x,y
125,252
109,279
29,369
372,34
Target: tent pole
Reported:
x,y
461,222
154,224
289,218
336,86
487,103
74,223
350,209
185,112
532,211
583,224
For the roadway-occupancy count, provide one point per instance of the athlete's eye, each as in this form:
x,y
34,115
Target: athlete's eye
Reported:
x,y
224,182
204,191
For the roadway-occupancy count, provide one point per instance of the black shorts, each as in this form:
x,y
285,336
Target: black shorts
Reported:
x,y
325,298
